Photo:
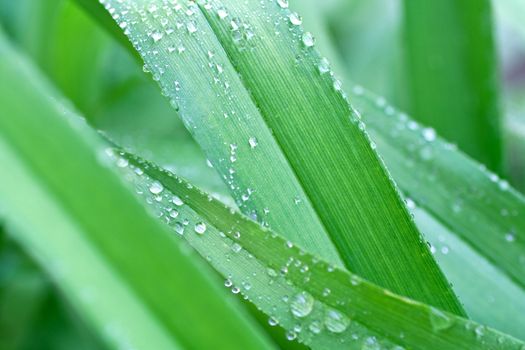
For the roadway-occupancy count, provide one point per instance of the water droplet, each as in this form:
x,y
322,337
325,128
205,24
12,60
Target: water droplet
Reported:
x,y
122,162
308,39
324,66
179,228
228,283
200,228
326,292
439,320
222,13
429,134
291,335
510,236
271,272
302,304
156,36
336,322
253,142
192,27
156,188
177,201
236,247
338,85
283,3
295,19
272,321
315,327
174,213
480,331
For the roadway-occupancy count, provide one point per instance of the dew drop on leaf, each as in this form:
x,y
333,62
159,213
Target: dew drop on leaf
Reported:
x,y
429,134
295,19
200,228
177,201
308,39
324,66
336,322
283,3
302,304
156,188
439,320
315,327
253,142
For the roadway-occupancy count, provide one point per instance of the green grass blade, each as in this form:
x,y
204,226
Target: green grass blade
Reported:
x,y
320,305
481,209
409,150
268,88
452,70
74,215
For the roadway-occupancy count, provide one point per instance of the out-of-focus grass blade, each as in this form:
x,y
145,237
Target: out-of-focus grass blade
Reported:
x,y
321,305
32,315
452,70
512,12
132,281
253,98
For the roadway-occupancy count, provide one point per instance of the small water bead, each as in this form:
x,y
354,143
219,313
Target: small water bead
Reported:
x,y
236,247
315,327
336,322
228,283
253,142
439,320
338,85
152,8
272,321
429,134
271,272
156,36
122,162
291,335
308,39
236,290
179,228
295,19
324,66
191,27
326,292
302,304
177,201
222,13
479,331
174,213
510,237
283,3
410,204
156,188
200,228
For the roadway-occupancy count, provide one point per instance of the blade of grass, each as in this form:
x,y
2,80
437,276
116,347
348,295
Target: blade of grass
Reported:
x,y
318,304
273,96
452,70
452,218
58,194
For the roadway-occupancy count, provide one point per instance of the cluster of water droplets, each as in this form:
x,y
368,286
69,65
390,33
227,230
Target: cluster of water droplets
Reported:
x,y
304,316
